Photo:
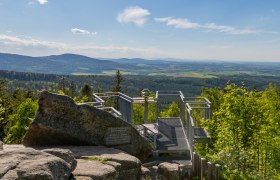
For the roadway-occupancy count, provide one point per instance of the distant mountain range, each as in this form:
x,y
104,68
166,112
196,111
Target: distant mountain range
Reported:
x,y
58,64
76,64
82,65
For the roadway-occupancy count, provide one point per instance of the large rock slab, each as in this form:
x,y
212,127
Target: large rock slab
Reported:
x,y
125,166
94,170
59,121
19,162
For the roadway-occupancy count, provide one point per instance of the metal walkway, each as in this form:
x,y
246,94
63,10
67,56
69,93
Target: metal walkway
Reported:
x,y
168,136
171,136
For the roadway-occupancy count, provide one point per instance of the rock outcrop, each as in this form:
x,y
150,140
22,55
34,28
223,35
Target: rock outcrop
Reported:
x,y
82,163
169,171
166,170
115,163
59,121
94,170
67,162
19,162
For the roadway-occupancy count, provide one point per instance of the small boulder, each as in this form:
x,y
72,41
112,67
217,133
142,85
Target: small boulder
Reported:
x,y
64,154
168,171
94,169
146,174
19,162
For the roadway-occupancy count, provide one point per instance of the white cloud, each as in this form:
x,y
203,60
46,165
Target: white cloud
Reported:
x,y
37,47
136,15
208,27
178,23
42,1
27,44
82,32
27,41
228,29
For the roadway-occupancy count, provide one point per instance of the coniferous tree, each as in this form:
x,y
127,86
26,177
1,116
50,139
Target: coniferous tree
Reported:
x,y
117,82
62,85
87,92
116,88
72,89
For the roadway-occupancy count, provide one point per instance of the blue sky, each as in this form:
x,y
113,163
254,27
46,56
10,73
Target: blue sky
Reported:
x,y
246,30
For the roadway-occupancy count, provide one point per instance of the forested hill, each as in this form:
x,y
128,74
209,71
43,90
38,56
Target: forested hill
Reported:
x,y
133,84
57,64
74,64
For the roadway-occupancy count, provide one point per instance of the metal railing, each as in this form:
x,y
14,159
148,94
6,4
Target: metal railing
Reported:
x,y
195,103
178,95
112,110
124,104
186,105
200,103
150,136
190,127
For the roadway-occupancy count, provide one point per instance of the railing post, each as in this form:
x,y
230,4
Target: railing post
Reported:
x,y
202,167
144,131
205,111
195,164
218,171
210,112
155,140
209,171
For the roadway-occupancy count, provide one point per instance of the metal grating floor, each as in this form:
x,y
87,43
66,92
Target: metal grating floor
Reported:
x,y
171,135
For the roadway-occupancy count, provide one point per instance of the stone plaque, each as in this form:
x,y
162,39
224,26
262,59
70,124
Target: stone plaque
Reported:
x,y
118,136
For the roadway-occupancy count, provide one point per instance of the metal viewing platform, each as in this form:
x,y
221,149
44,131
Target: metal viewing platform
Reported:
x,y
167,135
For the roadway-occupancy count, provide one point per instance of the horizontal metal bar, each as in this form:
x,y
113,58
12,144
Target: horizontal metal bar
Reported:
x,y
126,96
112,109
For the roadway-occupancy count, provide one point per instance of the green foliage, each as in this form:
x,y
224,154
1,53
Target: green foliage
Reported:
x,y
2,110
214,95
172,111
138,113
87,92
245,131
20,120
72,89
62,85
133,84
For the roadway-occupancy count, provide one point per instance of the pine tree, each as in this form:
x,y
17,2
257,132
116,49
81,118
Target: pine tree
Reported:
x,y
72,89
87,92
117,82
62,85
